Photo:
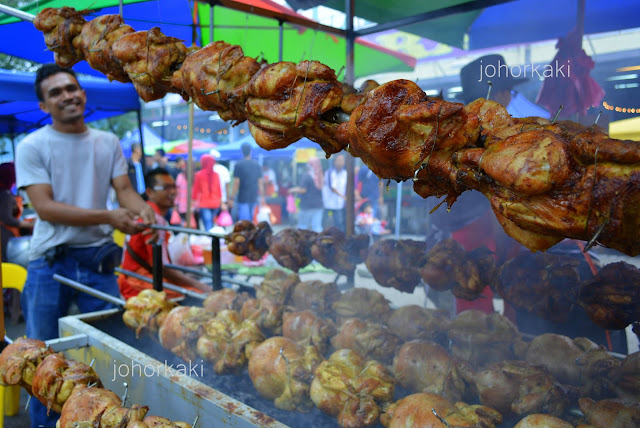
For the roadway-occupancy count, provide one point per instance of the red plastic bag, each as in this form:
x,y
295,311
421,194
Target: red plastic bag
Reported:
x,y
224,219
291,204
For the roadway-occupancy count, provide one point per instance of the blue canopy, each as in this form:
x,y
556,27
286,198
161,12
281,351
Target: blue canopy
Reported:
x,y
233,151
152,141
19,111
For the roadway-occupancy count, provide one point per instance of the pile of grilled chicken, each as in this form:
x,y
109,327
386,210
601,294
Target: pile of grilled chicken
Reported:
x,y
71,388
528,168
306,344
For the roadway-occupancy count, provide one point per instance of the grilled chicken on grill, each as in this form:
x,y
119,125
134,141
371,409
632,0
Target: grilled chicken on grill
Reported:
x,y
317,296
249,240
224,299
150,58
415,322
333,250
352,389
147,311
612,297
396,263
427,410
97,407
538,420
158,422
577,362
522,388
449,266
371,340
362,303
626,378
215,78
19,361
287,100
427,367
307,328
292,247
481,339
227,341
97,38
62,28
611,413
266,314
56,378
546,285
277,286
282,371
182,328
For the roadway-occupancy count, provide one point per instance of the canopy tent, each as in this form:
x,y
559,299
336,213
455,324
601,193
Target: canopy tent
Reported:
x,y
19,111
152,141
233,151
257,35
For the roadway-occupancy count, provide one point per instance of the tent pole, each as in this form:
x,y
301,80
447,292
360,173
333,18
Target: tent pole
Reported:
x,y
190,166
143,160
211,22
349,79
281,42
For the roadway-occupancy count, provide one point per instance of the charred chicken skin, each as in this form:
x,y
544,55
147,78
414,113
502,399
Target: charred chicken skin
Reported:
x,y
282,371
396,263
352,389
249,240
56,378
147,311
62,28
307,328
19,361
333,250
371,340
428,410
612,297
292,247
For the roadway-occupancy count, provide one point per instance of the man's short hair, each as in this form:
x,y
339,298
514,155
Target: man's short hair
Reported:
x,y
150,178
160,152
48,70
135,146
246,149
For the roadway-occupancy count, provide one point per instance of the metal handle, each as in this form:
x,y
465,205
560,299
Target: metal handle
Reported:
x,y
17,13
90,291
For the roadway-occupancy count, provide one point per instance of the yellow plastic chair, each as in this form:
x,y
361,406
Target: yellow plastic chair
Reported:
x,y
119,237
13,276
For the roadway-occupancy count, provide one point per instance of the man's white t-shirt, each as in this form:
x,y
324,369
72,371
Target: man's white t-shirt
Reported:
x,y
225,178
337,180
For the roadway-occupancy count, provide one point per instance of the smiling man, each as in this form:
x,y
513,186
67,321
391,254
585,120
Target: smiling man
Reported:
x,y
67,169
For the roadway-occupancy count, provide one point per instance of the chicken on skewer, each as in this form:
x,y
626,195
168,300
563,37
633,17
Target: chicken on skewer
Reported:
x,y
371,340
278,286
181,330
317,296
249,240
362,303
307,328
540,420
147,311
292,247
415,322
611,413
19,361
396,263
333,250
62,28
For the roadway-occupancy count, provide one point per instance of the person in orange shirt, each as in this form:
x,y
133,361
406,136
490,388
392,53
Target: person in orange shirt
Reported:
x,y
207,193
161,193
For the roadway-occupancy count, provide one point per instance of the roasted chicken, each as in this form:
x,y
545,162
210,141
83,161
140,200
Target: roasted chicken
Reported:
x,y
521,388
307,328
277,286
612,297
427,410
227,341
287,100
182,328
546,285
150,58
62,28
352,389
415,322
625,381
282,371
292,248
538,420
333,250
215,78
481,339
317,296
97,38
224,299
611,413
427,367
577,362
371,340
147,311
56,378
19,361
362,303
249,240
396,263
266,314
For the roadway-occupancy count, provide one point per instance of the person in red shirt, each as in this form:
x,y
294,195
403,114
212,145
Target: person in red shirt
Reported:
x,y
207,193
161,193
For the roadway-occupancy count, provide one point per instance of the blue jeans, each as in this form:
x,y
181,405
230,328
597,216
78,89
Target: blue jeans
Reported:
x,y
44,300
207,215
245,210
310,219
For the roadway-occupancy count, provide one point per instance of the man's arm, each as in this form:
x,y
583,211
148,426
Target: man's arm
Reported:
x,y
130,199
236,187
48,209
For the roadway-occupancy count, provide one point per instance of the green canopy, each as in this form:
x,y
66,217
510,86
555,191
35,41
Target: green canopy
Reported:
x,y
37,6
259,37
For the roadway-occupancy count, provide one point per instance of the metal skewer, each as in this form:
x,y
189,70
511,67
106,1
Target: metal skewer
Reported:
x,y
17,13
90,291
166,285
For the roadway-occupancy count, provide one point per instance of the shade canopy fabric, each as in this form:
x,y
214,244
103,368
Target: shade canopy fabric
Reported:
x,y
152,141
233,151
19,111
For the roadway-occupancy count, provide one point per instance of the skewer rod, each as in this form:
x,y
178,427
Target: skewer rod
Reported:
x,y
17,13
90,291
166,285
